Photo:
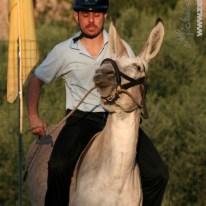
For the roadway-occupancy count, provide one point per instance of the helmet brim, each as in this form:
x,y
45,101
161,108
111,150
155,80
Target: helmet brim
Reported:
x,y
102,9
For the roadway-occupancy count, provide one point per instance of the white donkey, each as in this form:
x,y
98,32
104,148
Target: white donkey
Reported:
x,y
107,173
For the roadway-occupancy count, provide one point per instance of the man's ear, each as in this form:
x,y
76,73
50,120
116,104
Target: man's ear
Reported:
x,y
116,46
76,17
105,16
154,42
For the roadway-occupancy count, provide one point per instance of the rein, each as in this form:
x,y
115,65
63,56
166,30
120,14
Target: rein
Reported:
x,y
122,88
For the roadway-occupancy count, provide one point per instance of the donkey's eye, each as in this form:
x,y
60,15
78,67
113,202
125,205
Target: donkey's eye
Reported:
x,y
137,67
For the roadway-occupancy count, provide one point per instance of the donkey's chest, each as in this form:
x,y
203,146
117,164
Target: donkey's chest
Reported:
x,y
104,178
107,190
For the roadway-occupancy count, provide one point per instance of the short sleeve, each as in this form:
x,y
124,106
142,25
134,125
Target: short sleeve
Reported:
x,y
51,65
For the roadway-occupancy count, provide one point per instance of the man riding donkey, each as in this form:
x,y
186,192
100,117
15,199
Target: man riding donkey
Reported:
x,y
76,61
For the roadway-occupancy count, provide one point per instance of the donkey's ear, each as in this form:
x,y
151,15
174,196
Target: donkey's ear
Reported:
x,y
154,42
116,45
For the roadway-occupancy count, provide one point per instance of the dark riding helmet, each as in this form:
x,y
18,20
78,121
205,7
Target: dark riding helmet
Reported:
x,y
91,5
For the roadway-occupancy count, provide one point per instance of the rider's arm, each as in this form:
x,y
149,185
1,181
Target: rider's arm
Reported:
x,y
37,125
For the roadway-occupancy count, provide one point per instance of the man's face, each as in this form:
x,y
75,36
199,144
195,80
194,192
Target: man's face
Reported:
x,y
90,23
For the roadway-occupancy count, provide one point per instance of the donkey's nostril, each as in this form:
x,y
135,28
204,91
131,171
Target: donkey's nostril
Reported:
x,y
139,68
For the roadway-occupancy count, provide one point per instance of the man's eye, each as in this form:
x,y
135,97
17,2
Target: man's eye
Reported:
x,y
96,14
85,14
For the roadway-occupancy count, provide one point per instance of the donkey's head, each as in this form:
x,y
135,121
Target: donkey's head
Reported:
x,y
120,80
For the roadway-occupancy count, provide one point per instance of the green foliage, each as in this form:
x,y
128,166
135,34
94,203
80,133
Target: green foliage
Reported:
x,y
161,7
57,33
176,98
3,58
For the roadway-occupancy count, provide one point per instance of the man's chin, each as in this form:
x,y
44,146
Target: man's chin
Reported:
x,y
91,35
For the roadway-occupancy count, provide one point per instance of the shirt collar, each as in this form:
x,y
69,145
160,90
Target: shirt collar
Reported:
x,y
74,44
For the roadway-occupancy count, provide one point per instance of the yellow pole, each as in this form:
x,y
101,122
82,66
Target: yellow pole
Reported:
x,y
20,93
20,80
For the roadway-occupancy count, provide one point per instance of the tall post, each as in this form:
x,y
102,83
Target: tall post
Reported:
x,y
20,109
20,132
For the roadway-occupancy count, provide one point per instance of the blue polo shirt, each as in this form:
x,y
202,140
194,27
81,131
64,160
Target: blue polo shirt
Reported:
x,y
71,61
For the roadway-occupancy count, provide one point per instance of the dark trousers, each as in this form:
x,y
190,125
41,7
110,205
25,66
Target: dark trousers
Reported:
x,y
69,145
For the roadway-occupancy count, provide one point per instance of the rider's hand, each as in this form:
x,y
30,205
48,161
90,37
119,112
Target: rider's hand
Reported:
x,y
37,126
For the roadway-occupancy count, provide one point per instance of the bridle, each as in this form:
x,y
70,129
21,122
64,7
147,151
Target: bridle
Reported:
x,y
122,88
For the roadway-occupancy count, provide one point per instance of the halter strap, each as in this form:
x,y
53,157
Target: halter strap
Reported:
x,y
118,74
123,88
116,69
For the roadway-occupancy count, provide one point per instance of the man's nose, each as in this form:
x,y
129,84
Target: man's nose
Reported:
x,y
91,17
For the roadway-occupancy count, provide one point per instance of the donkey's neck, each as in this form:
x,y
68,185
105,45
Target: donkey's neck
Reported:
x,y
121,136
